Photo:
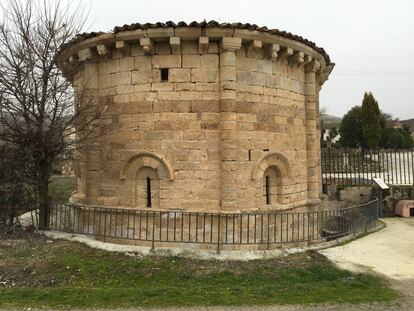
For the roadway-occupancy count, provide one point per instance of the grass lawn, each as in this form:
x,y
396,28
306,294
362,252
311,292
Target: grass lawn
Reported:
x,y
61,274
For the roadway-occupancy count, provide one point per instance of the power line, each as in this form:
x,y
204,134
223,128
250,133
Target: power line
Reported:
x,y
404,71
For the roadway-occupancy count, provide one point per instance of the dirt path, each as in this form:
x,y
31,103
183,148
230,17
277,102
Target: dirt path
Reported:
x,y
389,252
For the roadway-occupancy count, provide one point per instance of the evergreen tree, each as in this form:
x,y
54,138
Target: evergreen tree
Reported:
x,y
367,126
391,138
408,141
370,116
385,119
351,128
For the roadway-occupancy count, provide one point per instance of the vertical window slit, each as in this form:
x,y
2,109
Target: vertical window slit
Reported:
x,y
149,203
267,190
164,74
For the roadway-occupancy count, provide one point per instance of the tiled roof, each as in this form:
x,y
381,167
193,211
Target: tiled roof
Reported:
x,y
206,24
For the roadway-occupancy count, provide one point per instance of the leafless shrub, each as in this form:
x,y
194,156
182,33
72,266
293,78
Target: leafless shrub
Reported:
x,y
39,114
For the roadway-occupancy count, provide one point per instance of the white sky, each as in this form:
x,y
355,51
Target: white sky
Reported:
x,y
371,41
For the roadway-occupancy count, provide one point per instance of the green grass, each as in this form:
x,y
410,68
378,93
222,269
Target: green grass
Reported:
x,y
61,188
64,274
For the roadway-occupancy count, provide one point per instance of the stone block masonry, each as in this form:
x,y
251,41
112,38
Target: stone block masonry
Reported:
x,y
200,117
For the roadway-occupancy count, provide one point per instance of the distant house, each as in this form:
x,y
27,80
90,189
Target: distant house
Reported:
x,y
328,122
327,134
395,124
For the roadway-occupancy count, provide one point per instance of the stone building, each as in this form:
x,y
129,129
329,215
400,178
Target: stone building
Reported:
x,y
200,117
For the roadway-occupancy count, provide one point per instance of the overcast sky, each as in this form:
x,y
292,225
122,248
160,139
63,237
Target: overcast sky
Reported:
x,y
371,41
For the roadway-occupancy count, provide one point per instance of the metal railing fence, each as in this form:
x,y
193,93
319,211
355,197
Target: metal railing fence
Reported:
x,y
358,167
219,229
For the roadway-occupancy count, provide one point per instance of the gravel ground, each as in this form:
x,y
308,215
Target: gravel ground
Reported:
x,y
389,252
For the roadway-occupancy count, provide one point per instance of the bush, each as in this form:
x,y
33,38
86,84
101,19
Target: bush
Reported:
x,y
16,195
396,138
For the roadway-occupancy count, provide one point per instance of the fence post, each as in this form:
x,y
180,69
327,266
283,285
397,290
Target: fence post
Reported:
x,y
268,231
218,233
153,233
73,226
308,228
379,205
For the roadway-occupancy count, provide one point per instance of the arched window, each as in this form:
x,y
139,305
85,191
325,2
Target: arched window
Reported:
x,y
272,185
147,188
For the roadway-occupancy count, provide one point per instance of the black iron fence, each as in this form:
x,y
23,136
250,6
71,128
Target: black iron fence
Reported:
x,y
218,229
358,167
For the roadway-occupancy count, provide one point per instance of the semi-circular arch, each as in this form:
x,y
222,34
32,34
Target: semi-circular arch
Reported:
x,y
271,159
149,159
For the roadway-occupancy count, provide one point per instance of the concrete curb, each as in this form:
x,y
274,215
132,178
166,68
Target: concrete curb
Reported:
x,y
197,252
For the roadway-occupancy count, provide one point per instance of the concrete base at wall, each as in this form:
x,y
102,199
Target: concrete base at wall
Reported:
x,y
195,252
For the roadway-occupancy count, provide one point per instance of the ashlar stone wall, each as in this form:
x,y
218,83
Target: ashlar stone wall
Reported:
x,y
200,123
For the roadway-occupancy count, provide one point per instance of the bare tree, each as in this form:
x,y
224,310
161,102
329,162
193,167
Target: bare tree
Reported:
x,y
38,109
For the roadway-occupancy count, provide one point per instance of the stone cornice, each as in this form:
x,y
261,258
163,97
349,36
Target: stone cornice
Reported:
x,y
230,43
268,40
313,66
196,29
275,43
326,72
276,47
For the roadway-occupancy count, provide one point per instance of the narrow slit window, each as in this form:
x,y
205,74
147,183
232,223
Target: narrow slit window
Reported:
x,y
250,154
147,188
149,203
272,186
267,189
164,74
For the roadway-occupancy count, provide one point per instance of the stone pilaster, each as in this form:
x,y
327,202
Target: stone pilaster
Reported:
x,y
312,141
91,148
228,148
318,137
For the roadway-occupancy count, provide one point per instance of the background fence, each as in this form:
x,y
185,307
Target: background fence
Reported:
x,y
267,228
358,167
